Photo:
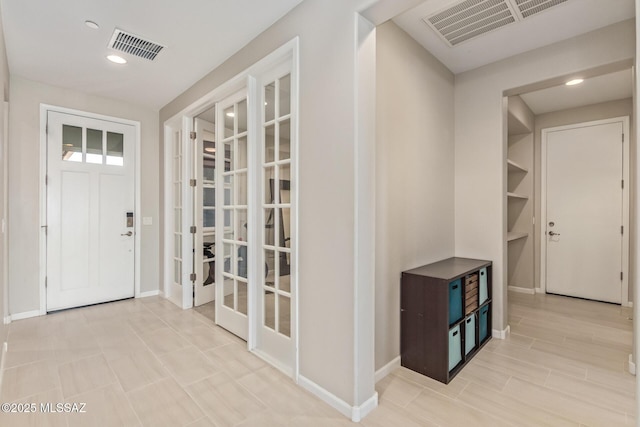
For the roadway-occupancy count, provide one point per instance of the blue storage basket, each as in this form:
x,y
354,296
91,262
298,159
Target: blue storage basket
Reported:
x,y
484,294
484,323
455,301
455,351
469,333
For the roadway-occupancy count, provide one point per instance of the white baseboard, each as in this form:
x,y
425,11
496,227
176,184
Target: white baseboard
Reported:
x,y
528,291
539,291
387,369
632,365
7,320
354,413
627,304
26,315
5,348
148,294
501,335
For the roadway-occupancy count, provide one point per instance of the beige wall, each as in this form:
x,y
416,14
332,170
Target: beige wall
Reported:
x,y
24,185
4,97
329,330
414,172
578,115
480,138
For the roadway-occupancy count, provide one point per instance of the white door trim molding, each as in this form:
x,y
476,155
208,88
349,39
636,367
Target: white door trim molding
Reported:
x,y
625,201
44,108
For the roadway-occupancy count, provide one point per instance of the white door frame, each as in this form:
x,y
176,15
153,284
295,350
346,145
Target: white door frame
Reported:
x,y
625,201
184,120
44,108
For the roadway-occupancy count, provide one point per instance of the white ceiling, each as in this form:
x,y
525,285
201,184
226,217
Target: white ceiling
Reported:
x,y
48,42
566,20
608,87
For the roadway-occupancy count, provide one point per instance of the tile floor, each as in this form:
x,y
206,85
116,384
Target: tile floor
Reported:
x,y
146,362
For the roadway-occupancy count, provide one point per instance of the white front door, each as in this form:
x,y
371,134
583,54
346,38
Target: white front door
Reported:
x,y
584,217
90,210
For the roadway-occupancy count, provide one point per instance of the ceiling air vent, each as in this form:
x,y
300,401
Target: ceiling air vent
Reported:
x,y
134,45
472,18
531,7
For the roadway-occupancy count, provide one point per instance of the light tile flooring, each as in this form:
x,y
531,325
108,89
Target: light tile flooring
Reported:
x,y
146,362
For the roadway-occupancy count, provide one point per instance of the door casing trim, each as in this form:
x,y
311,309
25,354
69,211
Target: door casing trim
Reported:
x,y
44,108
625,201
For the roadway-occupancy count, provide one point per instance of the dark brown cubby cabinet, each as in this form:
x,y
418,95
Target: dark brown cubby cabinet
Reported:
x,y
445,315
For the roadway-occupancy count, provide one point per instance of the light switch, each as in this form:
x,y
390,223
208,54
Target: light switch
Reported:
x,y
147,220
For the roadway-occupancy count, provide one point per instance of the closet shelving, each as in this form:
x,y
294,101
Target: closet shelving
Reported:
x,y
519,195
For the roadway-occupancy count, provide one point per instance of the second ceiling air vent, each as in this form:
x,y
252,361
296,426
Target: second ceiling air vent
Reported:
x,y
531,7
134,45
472,18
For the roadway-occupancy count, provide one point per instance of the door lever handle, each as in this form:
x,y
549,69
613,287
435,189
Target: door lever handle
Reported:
x,y
552,233
129,233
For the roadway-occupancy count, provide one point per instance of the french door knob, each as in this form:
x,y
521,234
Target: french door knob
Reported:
x,y
130,233
551,233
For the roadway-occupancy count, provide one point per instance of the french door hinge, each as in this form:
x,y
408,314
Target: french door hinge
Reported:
x,y
45,282
192,182
192,277
193,229
622,229
623,137
623,184
46,180
621,275
192,135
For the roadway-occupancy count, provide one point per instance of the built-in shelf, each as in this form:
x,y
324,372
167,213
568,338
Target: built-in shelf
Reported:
x,y
513,235
514,167
517,196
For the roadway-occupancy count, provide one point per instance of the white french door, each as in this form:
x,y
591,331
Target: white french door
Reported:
x,y
249,164
585,211
90,210
276,302
232,202
205,214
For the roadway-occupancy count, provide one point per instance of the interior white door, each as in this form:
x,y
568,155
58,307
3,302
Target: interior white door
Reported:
x,y
584,171
90,210
232,217
205,205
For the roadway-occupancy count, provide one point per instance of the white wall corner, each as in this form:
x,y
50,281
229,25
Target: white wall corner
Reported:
x,y
632,365
387,369
501,334
359,412
354,413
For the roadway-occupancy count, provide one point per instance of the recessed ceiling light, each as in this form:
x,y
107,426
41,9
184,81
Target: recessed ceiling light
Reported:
x,y
574,82
91,25
231,114
117,59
